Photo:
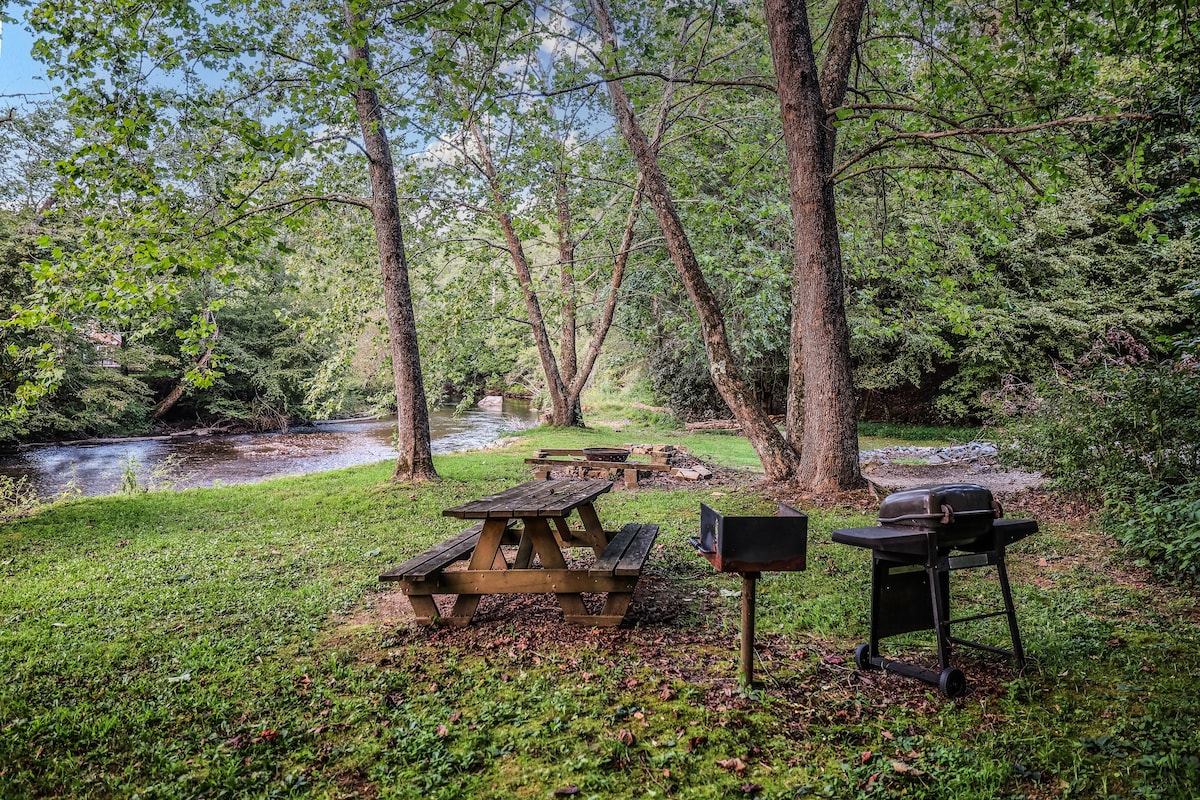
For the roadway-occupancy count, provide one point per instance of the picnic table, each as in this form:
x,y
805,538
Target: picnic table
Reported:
x,y
578,459
535,519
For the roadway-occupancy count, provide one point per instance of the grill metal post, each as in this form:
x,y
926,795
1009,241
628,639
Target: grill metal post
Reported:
x,y
749,586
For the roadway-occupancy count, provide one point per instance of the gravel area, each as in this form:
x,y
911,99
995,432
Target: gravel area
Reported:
x,y
908,467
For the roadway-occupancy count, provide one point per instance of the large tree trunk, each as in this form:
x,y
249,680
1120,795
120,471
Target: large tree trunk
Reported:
x,y
778,458
819,362
415,457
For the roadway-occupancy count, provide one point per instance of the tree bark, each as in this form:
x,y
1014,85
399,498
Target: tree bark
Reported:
x,y
778,458
566,275
560,411
414,454
819,361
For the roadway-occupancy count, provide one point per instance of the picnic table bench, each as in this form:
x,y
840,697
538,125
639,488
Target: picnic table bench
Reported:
x,y
533,517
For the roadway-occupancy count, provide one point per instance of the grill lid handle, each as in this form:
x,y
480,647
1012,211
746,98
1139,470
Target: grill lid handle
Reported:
x,y
947,515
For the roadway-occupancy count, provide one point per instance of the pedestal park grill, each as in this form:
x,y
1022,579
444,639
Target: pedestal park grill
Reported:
x,y
924,535
750,546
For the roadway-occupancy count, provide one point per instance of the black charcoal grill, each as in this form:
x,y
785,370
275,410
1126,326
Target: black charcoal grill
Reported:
x,y
750,546
923,536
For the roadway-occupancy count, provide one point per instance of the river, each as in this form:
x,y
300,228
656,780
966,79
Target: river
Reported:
x,y
182,462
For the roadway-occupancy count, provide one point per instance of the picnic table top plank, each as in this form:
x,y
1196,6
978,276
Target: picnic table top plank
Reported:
x,y
555,498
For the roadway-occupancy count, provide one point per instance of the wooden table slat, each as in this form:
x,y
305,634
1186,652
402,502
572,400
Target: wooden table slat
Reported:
x,y
538,499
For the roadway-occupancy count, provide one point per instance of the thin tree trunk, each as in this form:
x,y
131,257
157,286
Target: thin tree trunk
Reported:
x,y
566,274
414,455
819,360
604,323
779,460
176,394
560,411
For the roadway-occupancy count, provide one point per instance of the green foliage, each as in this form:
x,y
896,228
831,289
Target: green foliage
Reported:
x,y
17,498
1124,424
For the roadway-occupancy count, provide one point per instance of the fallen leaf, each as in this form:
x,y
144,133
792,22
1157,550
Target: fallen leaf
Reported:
x,y
667,693
566,791
751,788
625,737
441,730
455,717
906,769
866,756
888,735
732,764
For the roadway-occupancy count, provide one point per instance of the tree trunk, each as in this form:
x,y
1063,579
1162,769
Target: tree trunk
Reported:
x,y
778,458
414,455
566,274
604,323
819,361
560,412
176,394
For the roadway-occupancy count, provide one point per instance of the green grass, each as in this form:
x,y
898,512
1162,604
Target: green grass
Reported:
x,y
231,643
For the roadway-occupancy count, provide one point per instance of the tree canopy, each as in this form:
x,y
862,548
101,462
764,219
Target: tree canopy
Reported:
x,y
888,209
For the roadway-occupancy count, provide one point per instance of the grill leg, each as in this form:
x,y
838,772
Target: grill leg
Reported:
x,y
879,573
1010,611
940,600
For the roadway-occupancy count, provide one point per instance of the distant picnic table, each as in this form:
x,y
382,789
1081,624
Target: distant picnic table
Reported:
x,y
530,520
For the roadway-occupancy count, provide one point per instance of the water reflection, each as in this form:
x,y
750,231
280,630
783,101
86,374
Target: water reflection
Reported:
x,y
184,462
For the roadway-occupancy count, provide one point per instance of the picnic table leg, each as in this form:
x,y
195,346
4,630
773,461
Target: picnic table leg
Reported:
x,y
524,552
593,530
615,606
552,558
487,555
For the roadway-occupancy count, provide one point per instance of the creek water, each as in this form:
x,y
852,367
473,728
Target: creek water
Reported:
x,y
181,462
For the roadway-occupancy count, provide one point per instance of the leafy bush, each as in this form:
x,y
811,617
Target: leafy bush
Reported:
x,y
1125,426
17,498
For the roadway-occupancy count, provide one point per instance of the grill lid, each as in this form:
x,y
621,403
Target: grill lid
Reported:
x,y
953,510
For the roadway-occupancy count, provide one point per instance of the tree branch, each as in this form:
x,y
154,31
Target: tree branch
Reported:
x,y
940,167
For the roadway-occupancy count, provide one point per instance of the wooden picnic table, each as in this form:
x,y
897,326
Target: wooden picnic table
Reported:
x,y
536,518
548,459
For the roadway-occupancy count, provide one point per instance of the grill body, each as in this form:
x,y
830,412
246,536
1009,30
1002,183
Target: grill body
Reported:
x,y
926,535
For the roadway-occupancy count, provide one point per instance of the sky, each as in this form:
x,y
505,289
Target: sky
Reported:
x,y
19,74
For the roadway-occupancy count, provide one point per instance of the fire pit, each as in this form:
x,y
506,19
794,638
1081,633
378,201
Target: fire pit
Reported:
x,y
750,546
924,535
606,453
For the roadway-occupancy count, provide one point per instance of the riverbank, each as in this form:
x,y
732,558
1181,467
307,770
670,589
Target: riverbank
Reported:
x,y
98,467
235,642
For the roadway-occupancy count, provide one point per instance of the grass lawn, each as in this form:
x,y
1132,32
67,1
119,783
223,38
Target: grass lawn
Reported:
x,y
235,642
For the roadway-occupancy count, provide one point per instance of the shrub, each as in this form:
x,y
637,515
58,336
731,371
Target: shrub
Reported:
x,y
1124,426
17,498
